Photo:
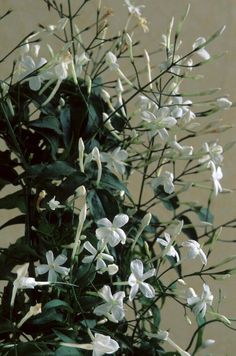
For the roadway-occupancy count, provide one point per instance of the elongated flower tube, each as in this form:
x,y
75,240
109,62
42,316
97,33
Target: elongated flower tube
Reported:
x,y
81,154
82,217
164,335
36,309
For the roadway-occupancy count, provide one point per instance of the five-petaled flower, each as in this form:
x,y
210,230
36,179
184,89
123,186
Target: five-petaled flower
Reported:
x,y
199,304
53,267
169,249
113,307
111,232
137,278
166,180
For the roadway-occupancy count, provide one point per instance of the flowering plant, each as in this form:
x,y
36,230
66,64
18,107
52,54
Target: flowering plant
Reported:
x,y
97,262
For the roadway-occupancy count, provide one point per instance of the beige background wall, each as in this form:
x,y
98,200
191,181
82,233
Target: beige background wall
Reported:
x,y
206,16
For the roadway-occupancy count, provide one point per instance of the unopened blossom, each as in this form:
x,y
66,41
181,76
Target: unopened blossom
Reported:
x,y
137,278
115,160
217,175
224,103
202,52
169,249
54,267
134,10
97,256
111,232
113,307
199,304
166,180
194,250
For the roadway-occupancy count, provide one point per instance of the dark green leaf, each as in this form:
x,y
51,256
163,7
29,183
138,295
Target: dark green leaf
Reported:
x,y
110,181
14,200
190,230
86,275
47,122
52,170
57,303
65,119
67,351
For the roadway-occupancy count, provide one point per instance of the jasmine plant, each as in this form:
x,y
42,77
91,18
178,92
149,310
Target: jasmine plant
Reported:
x,y
78,130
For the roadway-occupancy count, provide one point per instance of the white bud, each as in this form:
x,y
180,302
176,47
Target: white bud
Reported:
x,y
146,220
112,269
223,103
207,343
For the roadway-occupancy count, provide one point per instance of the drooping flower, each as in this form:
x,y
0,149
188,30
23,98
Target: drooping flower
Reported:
x,y
212,152
115,160
23,282
169,249
199,304
166,180
202,52
164,335
137,278
194,250
111,232
34,310
217,175
111,61
113,307
53,267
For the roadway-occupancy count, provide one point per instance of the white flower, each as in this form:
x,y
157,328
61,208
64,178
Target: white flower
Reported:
x,y
115,160
194,250
113,307
202,52
217,175
184,151
23,282
111,61
53,267
179,107
111,232
158,120
137,278
223,103
80,61
28,65
212,153
169,250
166,180
134,10
97,256
54,204
164,335
199,304
103,344
36,309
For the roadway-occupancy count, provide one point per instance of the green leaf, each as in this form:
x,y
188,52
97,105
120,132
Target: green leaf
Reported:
x,y
190,230
86,275
110,181
48,123
57,303
205,215
62,336
102,204
67,351
14,200
52,170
